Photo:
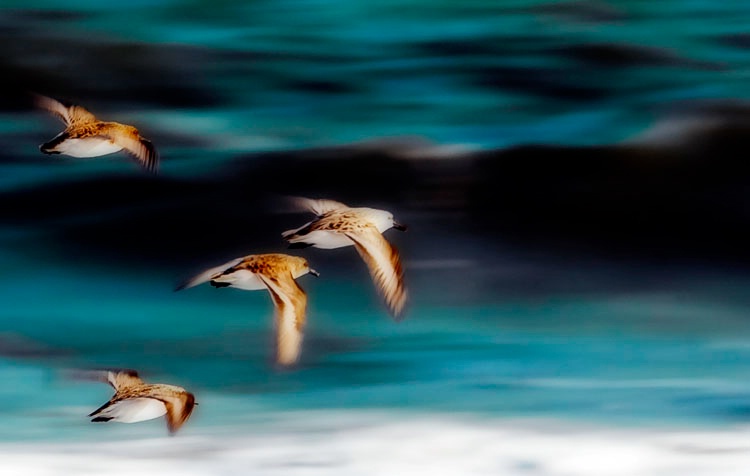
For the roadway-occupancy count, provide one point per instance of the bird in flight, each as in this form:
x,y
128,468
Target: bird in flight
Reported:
x,y
86,136
338,225
277,273
135,400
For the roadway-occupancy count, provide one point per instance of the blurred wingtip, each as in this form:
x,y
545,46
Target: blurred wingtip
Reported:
x,y
190,282
37,99
296,203
100,374
283,203
83,374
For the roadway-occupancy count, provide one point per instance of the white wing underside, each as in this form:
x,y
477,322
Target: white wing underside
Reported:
x,y
134,410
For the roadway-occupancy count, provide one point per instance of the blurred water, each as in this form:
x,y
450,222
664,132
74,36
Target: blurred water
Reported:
x,y
505,341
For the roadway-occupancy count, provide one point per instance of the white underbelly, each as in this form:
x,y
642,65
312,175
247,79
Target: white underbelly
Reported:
x,y
242,279
326,239
135,410
89,147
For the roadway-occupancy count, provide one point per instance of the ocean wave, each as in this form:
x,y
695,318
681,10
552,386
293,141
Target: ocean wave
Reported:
x,y
336,443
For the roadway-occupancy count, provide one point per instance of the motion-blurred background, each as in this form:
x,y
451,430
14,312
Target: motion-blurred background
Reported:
x,y
574,175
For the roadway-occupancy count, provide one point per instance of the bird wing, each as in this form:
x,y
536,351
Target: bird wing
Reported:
x,y
69,115
317,206
179,408
128,138
384,264
117,378
290,302
208,274
122,378
290,233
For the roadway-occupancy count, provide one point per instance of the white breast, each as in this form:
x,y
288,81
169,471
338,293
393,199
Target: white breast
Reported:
x,y
325,239
135,409
242,279
89,147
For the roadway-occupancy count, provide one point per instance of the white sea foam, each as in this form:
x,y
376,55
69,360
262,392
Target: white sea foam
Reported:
x,y
358,443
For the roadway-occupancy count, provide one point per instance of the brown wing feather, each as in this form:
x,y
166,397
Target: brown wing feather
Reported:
x,y
290,302
384,264
179,408
117,378
133,143
123,378
72,115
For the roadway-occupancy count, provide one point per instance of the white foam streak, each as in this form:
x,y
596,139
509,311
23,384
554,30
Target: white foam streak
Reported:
x,y
333,444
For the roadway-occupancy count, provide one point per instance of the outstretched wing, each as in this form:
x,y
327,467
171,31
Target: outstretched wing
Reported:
x,y
117,378
208,274
384,264
123,378
179,408
317,206
290,302
69,115
143,151
289,234
129,139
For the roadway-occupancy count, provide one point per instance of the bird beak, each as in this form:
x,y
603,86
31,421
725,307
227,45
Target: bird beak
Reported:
x,y
314,273
399,226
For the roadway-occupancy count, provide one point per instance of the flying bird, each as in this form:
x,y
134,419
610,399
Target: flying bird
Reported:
x,y
86,136
134,400
277,273
337,225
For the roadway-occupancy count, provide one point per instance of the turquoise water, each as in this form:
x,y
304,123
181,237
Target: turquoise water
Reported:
x,y
629,358
498,331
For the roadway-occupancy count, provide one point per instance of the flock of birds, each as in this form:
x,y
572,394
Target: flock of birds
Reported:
x,y
335,225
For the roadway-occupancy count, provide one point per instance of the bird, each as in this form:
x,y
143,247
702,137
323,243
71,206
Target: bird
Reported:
x,y
134,400
277,273
338,225
86,136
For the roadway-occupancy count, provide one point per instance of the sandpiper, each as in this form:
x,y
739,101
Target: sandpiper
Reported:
x,y
134,400
338,225
86,136
277,273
